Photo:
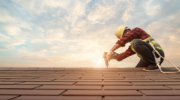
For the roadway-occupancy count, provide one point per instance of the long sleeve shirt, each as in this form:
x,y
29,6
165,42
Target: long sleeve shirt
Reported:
x,y
136,33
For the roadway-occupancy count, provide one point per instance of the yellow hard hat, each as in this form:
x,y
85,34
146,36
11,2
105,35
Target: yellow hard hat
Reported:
x,y
119,31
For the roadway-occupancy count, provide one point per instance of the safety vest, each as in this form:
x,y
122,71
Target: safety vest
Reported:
x,y
155,44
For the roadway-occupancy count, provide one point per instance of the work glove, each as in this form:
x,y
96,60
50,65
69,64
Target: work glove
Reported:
x,y
104,55
110,55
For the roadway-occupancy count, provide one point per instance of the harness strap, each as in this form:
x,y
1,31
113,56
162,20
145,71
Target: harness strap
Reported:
x,y
156,45
150,39
159,59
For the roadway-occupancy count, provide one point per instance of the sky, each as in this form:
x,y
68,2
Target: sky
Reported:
x,y
76,33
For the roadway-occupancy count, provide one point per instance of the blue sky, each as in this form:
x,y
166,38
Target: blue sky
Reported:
x,y
75,33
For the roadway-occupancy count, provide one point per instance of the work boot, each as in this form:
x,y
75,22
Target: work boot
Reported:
x,y
152,68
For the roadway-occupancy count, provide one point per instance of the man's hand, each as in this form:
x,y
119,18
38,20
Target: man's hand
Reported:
x,y
108,55
116,46
104,55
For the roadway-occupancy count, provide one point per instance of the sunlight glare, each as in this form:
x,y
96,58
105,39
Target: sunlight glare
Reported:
x,y
99,61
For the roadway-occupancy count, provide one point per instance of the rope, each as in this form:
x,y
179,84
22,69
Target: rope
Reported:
x,y
159,59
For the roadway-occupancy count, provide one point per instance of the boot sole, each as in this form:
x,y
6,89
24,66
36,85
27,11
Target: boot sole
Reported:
x,y
151,70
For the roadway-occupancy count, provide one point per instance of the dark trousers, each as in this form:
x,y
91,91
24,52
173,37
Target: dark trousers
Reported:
x,y
145,50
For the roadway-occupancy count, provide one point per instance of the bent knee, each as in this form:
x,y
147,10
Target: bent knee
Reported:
x,y
136,43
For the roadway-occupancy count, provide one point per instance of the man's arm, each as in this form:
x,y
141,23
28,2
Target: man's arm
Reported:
x,y
125,54
116,46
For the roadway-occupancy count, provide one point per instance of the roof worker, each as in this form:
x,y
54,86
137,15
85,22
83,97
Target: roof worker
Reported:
x,y
139,44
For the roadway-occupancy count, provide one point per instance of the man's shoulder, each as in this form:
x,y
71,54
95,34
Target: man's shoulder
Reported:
x,y
139,30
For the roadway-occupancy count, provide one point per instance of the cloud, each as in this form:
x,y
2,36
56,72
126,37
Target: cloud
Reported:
x,y
13,22
128,9
102,13
66,33
172,38
9,43
80,27
108,10
126,16
154,10
54,34
4,37
6,18
12,30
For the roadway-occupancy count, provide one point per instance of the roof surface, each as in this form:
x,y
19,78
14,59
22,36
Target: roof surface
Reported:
x,y
87,84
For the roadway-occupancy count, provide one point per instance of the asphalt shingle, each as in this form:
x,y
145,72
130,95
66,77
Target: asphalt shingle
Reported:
x,y
87,84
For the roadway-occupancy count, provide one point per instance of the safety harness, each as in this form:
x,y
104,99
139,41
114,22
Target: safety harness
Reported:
x,y
159,59
155,46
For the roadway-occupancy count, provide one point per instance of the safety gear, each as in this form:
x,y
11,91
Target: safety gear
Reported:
x,y
119,31
158,60
155,44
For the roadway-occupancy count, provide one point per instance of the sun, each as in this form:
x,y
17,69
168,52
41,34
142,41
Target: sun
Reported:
x,y
98,61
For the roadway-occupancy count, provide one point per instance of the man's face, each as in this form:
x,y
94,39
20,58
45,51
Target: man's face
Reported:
x,y
126,32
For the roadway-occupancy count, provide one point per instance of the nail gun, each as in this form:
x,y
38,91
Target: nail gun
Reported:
x,y
106,60
106,57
